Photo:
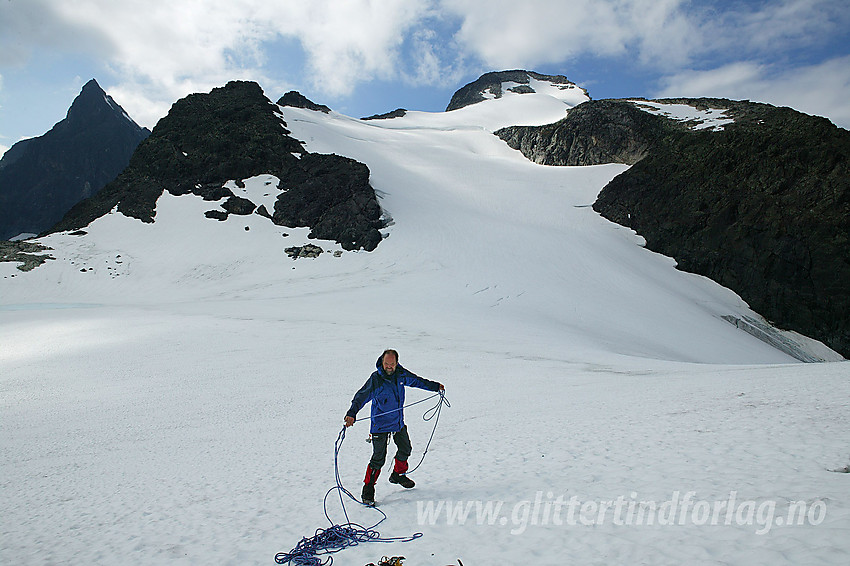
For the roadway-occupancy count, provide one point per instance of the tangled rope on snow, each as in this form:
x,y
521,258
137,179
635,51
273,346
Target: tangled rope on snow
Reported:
x,y
338,537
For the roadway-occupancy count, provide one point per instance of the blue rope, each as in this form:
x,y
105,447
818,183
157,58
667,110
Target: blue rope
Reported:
x,y
432,413
443,401
339,537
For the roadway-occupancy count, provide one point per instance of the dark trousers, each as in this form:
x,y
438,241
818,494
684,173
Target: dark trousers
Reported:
x,y
379,447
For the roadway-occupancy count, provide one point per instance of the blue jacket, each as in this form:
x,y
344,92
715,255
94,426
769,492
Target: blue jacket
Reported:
x,y
387,395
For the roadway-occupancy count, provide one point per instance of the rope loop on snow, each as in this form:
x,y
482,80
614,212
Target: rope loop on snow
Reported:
x,y
338,537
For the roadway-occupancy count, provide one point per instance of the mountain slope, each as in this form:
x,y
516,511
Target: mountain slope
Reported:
x,y
234,133
171,391
43,177
754,197
478,233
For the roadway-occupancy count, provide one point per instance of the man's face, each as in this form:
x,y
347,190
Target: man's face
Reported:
x,y
390,363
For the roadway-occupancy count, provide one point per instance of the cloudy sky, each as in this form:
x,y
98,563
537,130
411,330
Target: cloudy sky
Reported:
x,y
363,57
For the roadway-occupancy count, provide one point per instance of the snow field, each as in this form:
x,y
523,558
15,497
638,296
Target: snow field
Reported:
x,y
178,401
188,438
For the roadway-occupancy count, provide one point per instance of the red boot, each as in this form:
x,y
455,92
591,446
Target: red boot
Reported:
x,y
368,494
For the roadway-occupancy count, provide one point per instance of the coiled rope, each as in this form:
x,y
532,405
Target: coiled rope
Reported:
x,y
338,537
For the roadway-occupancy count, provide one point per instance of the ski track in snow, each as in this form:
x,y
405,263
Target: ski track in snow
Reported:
x,y
177,402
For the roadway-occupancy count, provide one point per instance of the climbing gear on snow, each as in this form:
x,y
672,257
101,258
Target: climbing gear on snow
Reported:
x,y
339,537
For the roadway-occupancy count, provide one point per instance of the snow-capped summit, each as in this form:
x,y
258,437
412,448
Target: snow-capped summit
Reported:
x,y
496,100
509,83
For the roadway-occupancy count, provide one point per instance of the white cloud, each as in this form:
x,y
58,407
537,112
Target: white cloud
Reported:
x,y
773,26
735,77
664,35
348,41
160,50
26,27
506,33
432,59
822,89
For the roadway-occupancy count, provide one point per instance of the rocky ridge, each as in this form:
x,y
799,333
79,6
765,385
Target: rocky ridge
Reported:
x,y
28,254
397,113
235,133
41,178
761,205
603,131
295,99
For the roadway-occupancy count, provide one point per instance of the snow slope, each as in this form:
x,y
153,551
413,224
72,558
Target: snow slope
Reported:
x,y
171,393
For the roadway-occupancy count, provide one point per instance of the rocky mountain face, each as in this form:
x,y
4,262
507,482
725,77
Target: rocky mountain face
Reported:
x,y
235,133
759,202
397,113
761,205
603,131
489,85
295,99
42,178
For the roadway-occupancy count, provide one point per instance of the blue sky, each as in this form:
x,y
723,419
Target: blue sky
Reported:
x,y
364,57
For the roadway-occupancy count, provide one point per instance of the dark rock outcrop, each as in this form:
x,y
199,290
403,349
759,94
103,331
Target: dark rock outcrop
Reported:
x,y
204,141
604,131
234,133
761,206
331,195
217,215
238,205
28,254
397,113
491,83
295,99
308,250
42,178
